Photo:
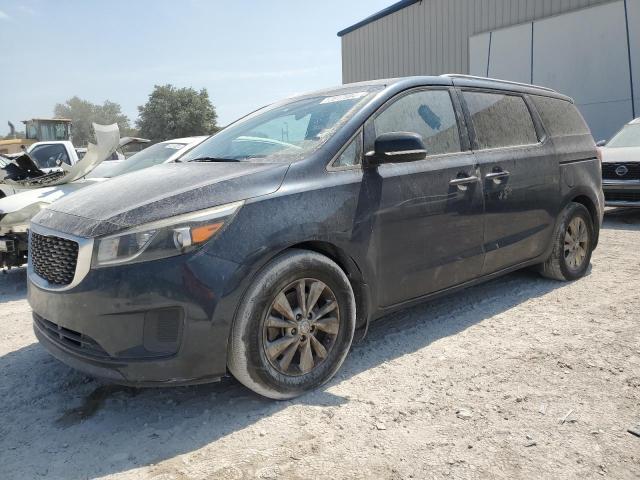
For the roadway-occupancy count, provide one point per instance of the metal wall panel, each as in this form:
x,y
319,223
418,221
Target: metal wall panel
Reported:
x,y
598,77
633,10
511,53
479,54
432,37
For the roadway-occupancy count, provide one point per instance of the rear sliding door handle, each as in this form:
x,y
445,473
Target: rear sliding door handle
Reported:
x,y
495,176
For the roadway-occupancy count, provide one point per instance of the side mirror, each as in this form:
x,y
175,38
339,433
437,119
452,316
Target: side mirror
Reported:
x,y
397,147
58,162
601,143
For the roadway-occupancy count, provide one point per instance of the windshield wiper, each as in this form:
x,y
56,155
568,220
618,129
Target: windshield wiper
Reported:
x,y
213,159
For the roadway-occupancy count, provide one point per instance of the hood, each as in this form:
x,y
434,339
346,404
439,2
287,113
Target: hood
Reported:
x,y
622,154
25,173
159,192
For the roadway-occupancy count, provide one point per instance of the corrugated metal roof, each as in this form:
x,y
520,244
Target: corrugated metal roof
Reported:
x,y
376,16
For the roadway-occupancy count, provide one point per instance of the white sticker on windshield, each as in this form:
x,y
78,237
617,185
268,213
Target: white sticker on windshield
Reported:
x,y
174,146
342,98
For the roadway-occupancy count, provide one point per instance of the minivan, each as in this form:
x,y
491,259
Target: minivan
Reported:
x,y
276,241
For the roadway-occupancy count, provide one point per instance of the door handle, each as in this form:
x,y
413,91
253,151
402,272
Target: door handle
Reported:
x,y
497,176
462,182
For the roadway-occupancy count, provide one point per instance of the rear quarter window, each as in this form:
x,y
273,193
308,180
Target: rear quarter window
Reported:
x,y
560,118
500,120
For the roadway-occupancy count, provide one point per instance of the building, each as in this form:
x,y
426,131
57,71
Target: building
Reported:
x,y
587,49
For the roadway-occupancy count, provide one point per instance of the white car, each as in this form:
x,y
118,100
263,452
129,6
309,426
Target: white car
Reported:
x,y
621,167
17,210
51,159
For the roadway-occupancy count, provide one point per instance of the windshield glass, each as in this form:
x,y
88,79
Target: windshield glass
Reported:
x,y
150,156
284,131
629,136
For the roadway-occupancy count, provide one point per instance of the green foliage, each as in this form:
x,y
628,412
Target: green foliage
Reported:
x,y
176,112
83,113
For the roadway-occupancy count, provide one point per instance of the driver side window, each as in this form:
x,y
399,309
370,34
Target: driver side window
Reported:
x,y
429,113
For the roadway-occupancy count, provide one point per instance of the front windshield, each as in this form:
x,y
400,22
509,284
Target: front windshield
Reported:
x,y
629,136
285,131
150,156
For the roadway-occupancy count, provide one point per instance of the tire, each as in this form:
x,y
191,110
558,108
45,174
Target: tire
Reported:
x,y
559,265
263,325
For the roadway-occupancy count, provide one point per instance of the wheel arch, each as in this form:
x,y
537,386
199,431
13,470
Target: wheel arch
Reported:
x,y
590,205
351,269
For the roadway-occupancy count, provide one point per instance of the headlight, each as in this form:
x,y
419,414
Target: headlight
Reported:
x,y
164,238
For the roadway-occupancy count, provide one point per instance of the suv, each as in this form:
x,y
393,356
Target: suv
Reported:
x,y
271,243
621,167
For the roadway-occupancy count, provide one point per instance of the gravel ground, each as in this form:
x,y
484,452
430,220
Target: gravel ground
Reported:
x,y
521,377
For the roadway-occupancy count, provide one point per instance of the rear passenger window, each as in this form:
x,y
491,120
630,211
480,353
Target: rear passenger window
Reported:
x,y
429,113
500,120
560,118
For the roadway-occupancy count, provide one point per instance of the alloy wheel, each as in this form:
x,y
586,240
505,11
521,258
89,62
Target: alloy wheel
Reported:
x,y
301,327
576,243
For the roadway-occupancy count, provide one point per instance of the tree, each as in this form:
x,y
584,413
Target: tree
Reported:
x,y
83,113
176,112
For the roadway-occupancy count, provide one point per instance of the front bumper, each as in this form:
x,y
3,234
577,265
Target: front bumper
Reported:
x,y
621,193
164,322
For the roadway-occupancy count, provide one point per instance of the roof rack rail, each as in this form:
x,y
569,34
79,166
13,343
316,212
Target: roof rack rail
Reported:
x,y
508,82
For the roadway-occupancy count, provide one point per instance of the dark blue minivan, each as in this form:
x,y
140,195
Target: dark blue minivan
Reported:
x,y
267,247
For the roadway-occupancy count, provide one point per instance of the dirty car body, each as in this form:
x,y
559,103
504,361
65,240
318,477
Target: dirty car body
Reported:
x,y
448,214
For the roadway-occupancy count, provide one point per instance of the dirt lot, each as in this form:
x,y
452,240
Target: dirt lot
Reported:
x,y
518,378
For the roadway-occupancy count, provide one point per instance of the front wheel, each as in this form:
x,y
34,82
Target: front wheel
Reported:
x,y
573,244
294,327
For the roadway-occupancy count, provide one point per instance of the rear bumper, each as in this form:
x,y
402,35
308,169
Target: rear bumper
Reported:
x,y
621,193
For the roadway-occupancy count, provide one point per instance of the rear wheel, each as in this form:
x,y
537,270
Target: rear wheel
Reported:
x,y
294,327
573,244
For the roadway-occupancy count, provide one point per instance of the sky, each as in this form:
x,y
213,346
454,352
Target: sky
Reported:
x,y
246,53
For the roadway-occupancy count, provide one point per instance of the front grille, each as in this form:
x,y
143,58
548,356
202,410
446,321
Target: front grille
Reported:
x,y
54,258
621,196
71,339
632,171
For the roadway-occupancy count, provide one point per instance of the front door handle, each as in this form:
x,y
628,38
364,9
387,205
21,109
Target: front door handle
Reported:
x,y
462,182
497,176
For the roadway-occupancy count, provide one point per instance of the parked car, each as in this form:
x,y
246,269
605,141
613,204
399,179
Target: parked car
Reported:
x,y
271,243
621,167
17,210
46,162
